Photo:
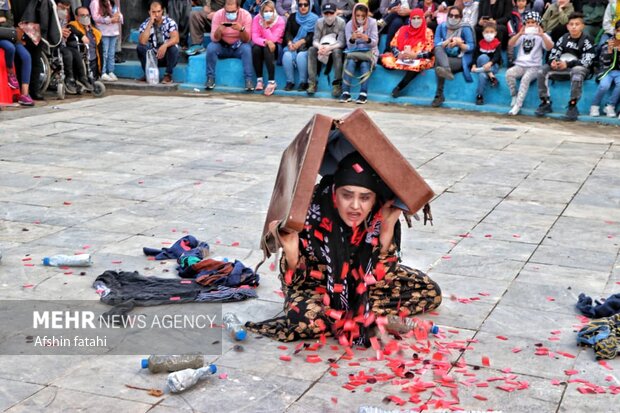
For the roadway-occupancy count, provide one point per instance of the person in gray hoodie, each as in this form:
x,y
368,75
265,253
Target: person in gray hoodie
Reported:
x,y
327,47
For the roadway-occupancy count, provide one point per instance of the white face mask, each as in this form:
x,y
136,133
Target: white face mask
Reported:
x,y
85,20
452,21
531,30
360,22
489,37
330,19
416,23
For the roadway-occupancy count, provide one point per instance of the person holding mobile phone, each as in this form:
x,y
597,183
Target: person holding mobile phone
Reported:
x,y
343,270
498,12
610,76
298,36
231,38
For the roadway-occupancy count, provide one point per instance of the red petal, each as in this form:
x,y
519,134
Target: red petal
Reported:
x,y
479,397
501,338
285,358
485,361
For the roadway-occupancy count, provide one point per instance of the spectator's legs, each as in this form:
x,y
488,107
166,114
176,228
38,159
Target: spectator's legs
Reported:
x,y
531,73
312,64
337,58
441,57
502,35
615,95
543,83
364,68
288,62
109,49
244,52
180,11
603,87
214,50
199,24
270,62
171,58
26,64
302,66
407,78
347,77
577,76
483,77
141,50
258,56
512,74
9,53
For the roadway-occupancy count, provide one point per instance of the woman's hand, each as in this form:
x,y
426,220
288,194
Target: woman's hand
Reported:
x,y
289,242
390,216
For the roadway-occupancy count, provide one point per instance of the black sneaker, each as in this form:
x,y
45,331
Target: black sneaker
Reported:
x,y
336,89
249,85
289,86
396,92
544,108
345,97
210,83
439,99
572,113
479,100
70,86
302,87
311,89
362,98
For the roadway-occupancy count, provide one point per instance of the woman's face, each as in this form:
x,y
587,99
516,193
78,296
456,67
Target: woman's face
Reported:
x,y
304,7
354,203
360,15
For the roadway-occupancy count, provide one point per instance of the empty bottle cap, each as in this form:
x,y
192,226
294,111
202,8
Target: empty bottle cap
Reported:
x,y
46,261
434,329
240,335
145,363
212,368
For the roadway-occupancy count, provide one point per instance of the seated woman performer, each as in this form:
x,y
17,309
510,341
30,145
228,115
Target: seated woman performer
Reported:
x,y
342,270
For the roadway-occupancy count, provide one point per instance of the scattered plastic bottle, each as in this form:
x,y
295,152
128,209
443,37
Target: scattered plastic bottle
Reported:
x,y
159,364
234,327
182,380
81,260
404,325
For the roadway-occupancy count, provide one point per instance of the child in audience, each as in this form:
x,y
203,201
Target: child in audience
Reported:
x,y
610,58
531,42
488,57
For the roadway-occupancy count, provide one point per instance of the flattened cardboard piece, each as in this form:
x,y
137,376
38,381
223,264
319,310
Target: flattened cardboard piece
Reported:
x,y
386,160
297,175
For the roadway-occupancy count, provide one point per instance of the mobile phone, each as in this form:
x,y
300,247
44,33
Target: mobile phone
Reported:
x,y
227,24
485,18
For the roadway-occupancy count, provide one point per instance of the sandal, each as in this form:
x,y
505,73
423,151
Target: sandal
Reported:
x,y
271,87
259,85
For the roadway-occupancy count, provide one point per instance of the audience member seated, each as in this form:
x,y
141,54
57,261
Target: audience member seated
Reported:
x,y
571,56
87,35
522,7
531,43
454,47
362,39
231,38
159,33
612,15
430,9
488,58
344,8
254,6
556,17
395,14
297,38
469,9
593,12
200,23
179,11
287,7
12,50
267,34
75,72
610,59
412,50
497,11
327,48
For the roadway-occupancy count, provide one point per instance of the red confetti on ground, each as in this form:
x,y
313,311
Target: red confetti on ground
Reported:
x,y
36,222
150,258
66,203
553,338
28,285
605,365
506,388
485,361
166,242
333,373
313,358
368,389
117,262
335,399
484,294
28,265
279,293
285,358
501,338
283,347
567,355
516,236
479,397
235,244
516,350
446,257
27,259
556,382
175,298
550,298
488,236
223,376
607,222
556,332
140,182
68,272
609,378
467,235
571,372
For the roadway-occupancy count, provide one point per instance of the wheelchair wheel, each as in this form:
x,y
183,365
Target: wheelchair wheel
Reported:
x,y
60,91
98,89
46,73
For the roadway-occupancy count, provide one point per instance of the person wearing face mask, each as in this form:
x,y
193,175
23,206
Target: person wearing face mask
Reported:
x,y
555,18
328,43
454,47
469,9
610,75
86,34
298,36
362,52
498,12
412,50
267,34
394,15
488,58
231,38
531,43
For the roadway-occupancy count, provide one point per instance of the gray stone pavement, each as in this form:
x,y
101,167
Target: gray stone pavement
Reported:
x,y
527,216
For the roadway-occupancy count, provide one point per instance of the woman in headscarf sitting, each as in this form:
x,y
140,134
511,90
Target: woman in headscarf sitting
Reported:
x,y
342,270
267,33
297,38
412,50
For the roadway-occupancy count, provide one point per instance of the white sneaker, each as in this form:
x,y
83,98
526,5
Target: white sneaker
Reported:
x,y
113,77
513,101
106,78
594,111
610,111
514,111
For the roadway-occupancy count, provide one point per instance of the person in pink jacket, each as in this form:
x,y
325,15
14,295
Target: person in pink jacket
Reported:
x,y
267,33
108,18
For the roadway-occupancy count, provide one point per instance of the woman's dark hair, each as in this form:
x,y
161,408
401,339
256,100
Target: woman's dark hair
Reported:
x,y
104,9
457,9
617,26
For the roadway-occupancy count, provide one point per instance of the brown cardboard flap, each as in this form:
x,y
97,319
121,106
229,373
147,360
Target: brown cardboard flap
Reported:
x,y
386,160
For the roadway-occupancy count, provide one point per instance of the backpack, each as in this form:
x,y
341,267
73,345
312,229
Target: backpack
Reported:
x,y
514,23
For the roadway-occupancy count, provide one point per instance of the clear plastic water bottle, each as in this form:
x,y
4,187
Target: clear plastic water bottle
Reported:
x,y
159,364
404,325
81,260
153,76
234,327
182,380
